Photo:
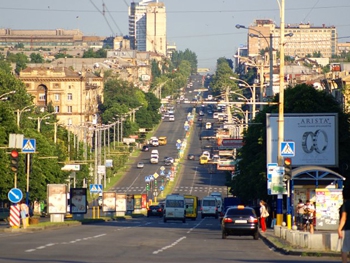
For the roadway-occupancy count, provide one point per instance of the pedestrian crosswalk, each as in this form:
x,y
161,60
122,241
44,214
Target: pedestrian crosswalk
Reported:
x,y
180,189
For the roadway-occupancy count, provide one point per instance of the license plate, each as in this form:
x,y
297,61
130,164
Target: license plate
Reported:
x,y
154,210
170,214
241,221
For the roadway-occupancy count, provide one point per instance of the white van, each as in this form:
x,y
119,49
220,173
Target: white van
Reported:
x,y
209,207
155,152
219,200
215,115
154,158
174,208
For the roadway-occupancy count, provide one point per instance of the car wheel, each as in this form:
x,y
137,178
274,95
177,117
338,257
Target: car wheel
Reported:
x,y
224,235
256,235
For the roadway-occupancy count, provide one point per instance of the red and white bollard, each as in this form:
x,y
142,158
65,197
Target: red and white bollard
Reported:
x,y
15,218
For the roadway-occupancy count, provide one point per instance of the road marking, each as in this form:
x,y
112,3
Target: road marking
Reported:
x,y
63,243
170,246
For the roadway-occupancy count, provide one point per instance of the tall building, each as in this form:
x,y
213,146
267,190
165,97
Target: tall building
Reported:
x,y
147,26
306,38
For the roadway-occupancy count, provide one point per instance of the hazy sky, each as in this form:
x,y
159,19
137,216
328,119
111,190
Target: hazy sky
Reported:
x,y
206,27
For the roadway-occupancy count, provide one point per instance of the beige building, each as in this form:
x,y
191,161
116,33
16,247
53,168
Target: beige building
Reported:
x,y
156,28
73,95
306,39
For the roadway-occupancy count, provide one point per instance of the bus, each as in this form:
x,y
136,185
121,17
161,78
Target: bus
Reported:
x,y
191,206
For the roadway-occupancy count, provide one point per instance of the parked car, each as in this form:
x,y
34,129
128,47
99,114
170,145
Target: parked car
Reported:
x,y
240,221
155,210
145,148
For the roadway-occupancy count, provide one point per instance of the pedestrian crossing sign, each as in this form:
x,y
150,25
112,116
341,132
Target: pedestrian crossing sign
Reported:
x,y
28,145
287,149
96,188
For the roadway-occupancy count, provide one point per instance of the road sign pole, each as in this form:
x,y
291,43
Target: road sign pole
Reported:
x,y
28,172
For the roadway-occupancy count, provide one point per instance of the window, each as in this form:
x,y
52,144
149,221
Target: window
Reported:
x,y
42,97
70,96
57,97
69,122
69,109
57,108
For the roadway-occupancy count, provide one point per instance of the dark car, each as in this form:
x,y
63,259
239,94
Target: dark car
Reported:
x,y
145,148
191,156
155,210
240,221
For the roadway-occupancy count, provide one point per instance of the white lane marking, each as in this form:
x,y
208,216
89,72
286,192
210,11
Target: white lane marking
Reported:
x,y
191,229
170,246
63,243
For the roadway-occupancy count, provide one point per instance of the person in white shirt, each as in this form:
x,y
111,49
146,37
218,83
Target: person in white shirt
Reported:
x,y
309,210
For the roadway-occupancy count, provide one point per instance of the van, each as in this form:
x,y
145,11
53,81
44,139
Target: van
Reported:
x,y
215,115
162,140
208,125
154,158
209,207
155,152
154,141
219,200
174,208
191,206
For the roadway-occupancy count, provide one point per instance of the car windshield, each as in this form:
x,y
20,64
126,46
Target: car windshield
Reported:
x,y
209,203
174,203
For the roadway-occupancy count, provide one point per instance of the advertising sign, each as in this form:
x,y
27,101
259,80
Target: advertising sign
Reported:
x,y
108,203
315,137
57,198
275,183
229,143
120,204
78,201
137,201
226,165
328,202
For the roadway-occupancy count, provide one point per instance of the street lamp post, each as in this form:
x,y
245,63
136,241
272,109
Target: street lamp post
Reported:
x,y
253,91
39,119
19,112
3,96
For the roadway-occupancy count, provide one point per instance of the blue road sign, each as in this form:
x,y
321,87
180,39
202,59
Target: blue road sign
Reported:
x,y
287,149
15,195
96,188
161,188
28,145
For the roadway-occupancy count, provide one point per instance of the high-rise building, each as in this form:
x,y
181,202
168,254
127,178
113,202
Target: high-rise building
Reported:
x,y
306,38
147,26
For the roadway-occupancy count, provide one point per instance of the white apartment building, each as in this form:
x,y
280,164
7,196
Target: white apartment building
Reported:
x,y
147,26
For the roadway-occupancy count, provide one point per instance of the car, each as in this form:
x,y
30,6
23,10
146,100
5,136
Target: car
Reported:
x,y
240,221
200,119
145,148
191,156
201,113
140,165
168,160
155,210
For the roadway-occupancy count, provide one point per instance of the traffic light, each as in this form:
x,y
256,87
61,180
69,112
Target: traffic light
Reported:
x,y
155,183
287,168
14,160
147,187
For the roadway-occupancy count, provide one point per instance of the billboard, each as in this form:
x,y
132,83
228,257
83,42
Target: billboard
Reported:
x,y
57,198
315,136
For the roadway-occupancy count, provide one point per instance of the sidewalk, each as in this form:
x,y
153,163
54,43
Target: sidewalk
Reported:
x,y
283,246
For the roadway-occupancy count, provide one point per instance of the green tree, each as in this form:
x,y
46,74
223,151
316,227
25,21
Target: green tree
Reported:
x,y
36,58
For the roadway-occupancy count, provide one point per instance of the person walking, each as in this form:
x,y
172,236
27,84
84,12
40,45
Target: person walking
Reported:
x,y
300,214
24,211
263,215
344,226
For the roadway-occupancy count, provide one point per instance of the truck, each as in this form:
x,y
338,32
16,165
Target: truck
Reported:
x,y
162,140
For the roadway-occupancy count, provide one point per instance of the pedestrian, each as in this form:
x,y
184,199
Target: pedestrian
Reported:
x,y
308,217
300,214
344,225
24,211
263,215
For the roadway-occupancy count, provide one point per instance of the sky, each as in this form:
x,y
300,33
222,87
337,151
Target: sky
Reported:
x,y
206,27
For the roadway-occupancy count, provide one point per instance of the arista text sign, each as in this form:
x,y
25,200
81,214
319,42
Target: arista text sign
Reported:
x,y
314,134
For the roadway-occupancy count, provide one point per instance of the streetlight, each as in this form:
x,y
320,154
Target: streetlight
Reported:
x,y
39,119
252,90
19,112
3,96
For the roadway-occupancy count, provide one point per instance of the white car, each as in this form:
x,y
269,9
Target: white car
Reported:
x,y
140,165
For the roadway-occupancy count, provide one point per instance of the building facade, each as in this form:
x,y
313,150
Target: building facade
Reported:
x,y
147,26
73,95
306,38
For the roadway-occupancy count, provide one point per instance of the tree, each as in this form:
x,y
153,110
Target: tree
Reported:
x,y
36,58
252,164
